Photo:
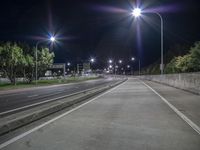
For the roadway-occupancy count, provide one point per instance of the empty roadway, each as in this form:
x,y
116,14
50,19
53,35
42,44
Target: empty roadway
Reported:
x,y
129,117
13,100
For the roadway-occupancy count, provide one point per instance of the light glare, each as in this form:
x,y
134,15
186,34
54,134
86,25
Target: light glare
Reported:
x,y
52,39
92,60
132,58
136,12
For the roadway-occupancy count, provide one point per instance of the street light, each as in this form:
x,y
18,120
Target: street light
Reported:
x,y
52,39
115,64
68,68
92,60
110,61
133,59
136,13
120,61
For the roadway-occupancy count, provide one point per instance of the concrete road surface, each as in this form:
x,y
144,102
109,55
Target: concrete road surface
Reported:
x,y
129,117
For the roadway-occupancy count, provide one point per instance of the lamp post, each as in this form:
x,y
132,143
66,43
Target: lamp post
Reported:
x,y
68,67
139,66
120,62
92,60
137,12
52,39
132,59
110,61
114,64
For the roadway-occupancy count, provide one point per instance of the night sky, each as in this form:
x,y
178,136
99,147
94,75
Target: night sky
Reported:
x,y
101,28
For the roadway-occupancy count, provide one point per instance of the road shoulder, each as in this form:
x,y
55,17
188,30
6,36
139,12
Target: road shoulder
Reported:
x,y
186,102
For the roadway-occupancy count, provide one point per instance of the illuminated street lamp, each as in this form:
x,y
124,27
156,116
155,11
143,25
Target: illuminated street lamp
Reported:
x,y
92,60
115,64
133,59
110,61
68,64
136,13
52,39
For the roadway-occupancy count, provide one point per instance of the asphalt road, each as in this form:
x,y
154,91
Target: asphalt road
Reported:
x,y
18,99
128,117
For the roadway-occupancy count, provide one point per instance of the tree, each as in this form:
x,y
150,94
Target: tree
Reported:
x,y
170,57
29,68
183,63
18,60
187,63
195,57
171,66
45,60
12,60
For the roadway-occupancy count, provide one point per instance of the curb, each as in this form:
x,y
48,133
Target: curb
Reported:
x,y
24,120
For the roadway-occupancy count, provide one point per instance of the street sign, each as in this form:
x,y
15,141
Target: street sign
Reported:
x,y
57,66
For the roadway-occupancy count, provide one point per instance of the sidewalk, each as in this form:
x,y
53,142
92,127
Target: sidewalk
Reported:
x,y
186,102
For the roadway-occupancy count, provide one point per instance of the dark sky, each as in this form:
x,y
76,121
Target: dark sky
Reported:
x,y
100,28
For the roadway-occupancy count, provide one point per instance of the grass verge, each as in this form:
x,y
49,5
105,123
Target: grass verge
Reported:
x,y
8,86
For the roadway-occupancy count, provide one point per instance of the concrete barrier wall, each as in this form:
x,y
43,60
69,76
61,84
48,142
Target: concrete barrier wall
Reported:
x,y
4,80
186,81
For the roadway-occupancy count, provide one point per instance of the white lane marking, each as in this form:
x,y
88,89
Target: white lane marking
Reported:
x,y
52,120
35,104
180,114
32,96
